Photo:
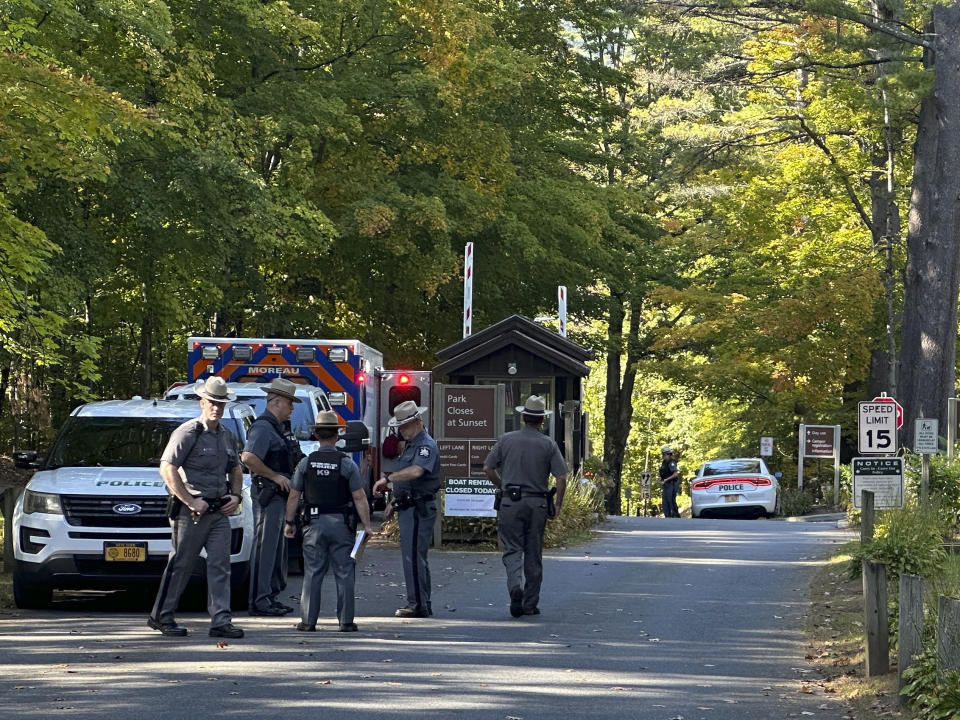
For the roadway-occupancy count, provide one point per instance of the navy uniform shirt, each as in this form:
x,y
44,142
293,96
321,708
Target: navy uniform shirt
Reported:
x,y
668,468
204,456
526,457
348,470
422,450
263,438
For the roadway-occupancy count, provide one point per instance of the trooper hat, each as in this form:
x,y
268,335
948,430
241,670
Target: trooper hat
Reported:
x,y
535,405
214,389
666,449
283,388
326,419
405,412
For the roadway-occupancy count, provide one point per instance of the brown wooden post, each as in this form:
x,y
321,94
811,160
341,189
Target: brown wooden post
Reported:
x,y
876,631
910,640
866,516
948,634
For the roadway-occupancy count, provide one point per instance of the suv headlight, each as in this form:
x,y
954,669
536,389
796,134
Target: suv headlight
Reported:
x,y
41,502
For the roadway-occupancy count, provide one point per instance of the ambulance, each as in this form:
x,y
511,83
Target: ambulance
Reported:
x,y
350,372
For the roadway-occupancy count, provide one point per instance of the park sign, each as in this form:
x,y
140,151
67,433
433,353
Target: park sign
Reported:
x,y
877,423
926,436
883,476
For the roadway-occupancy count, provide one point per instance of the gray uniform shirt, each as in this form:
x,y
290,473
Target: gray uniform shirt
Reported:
x,y
526,457
263,438
348,470
205,457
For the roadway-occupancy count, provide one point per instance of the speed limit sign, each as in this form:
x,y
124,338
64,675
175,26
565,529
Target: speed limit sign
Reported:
x,y
877,428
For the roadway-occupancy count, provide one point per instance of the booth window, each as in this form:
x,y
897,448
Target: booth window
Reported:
x,y
402,393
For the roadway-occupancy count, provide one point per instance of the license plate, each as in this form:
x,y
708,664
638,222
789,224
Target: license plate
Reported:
x,y
731,498
125,552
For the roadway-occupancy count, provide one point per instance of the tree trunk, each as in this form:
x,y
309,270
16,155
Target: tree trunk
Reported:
x,y
145,352
929,336
618,409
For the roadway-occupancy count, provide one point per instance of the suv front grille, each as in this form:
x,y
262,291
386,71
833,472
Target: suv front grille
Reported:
x,y
98,511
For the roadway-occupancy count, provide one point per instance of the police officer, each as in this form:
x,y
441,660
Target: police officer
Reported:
x,y
196,464
334,496
271,454
670,482
414,486
520,464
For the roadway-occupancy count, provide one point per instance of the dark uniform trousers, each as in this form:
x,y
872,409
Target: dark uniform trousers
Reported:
x,y
416,532
670,489
327,541
520,525
268,570
211,531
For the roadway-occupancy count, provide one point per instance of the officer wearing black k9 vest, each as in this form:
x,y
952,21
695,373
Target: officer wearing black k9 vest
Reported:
x,y
271,454
334,497
414,487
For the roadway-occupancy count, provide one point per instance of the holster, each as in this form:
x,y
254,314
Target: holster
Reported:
x,y
402,500
268,489
514,491
497,498
421,502
173,506
551,503
351,518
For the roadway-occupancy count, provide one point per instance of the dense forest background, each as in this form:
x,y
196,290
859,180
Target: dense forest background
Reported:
x,y
741,197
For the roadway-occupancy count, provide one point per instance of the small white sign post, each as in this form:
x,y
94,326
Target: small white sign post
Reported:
x,y
926,437
766,446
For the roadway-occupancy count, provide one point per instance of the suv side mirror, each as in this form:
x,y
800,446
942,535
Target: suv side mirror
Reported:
x,y
355,437
26,459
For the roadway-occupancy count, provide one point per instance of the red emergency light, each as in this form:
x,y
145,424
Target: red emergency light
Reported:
x,y
404,379
361,377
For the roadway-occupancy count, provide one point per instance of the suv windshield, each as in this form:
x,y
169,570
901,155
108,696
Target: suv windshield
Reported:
x,y
116,441
301,420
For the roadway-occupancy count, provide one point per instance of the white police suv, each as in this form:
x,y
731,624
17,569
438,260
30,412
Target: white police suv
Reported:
x,y
302,420
94,515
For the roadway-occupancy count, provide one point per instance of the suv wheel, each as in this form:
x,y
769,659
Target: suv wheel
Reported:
x,y
29,593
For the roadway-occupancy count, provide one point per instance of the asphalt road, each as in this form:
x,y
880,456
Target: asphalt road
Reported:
x,y
656,619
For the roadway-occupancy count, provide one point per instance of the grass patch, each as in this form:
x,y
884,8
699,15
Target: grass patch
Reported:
x,y
836,643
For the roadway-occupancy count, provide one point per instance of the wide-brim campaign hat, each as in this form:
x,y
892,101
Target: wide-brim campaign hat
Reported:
x,y
535,405
405,412
326,419
284,388
215,390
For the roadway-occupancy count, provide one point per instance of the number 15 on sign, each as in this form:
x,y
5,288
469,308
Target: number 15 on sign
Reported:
x,y
877,428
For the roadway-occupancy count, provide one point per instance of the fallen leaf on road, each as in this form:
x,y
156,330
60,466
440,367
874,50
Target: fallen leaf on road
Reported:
x,y
222,644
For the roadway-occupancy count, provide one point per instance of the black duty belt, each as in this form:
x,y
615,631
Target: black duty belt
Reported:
x,y
531,493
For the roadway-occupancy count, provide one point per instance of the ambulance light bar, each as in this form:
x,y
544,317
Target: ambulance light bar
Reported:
x,y
337,354
210,352
242,353
337,398
306,354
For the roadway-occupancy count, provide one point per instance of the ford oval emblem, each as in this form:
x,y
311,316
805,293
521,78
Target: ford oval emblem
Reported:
x,y
127,509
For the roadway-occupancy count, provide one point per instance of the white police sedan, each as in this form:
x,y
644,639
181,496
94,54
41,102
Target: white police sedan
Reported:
x,y
735,486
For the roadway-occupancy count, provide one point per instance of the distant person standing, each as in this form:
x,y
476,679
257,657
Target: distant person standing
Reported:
x,y
271,454
520,465
414,488
334,497
670,482
200,469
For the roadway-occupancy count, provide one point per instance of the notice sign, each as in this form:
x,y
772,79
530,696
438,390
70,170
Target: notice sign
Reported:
x,y
883,476
468,497
818,441
469,411
925,432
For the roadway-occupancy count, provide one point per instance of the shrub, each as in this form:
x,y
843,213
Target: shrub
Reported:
x,y
944,479
795,502
908,540
933,695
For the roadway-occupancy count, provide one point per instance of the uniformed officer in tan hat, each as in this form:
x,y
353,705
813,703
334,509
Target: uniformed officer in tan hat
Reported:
x,y
415,485
271,454
202,472
520,465
334,499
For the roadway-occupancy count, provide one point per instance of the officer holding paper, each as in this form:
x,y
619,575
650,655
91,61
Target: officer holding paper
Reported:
x,y
334,495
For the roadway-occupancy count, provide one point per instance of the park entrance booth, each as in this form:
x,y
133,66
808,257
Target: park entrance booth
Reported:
x,y
526,359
